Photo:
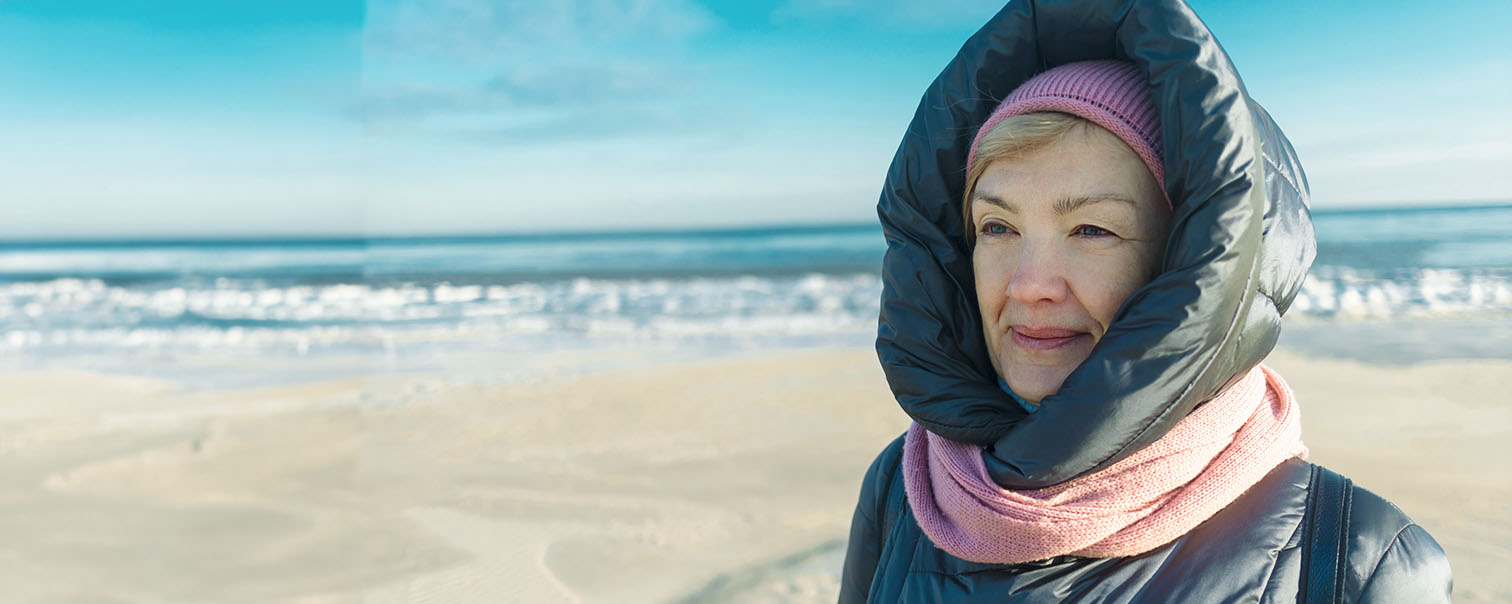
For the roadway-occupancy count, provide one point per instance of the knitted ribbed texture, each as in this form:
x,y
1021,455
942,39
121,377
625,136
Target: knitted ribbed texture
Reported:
x,y
1136,505
1111,94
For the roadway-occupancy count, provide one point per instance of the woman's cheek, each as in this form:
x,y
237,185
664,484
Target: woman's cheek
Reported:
x,y
1110,279
993,270
990,277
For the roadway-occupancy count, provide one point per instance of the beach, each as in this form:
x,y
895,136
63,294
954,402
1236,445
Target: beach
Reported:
x,y
659,416
607,476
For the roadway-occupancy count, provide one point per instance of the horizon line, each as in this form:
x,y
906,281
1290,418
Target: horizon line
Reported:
x,y
344,238
231,239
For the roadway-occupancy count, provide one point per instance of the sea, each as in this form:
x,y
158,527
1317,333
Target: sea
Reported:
x,y
1398,284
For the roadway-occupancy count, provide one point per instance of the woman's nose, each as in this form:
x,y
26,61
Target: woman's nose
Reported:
x,y
1038,277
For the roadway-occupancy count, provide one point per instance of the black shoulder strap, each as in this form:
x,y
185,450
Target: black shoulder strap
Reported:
x,y
1325,534
894,504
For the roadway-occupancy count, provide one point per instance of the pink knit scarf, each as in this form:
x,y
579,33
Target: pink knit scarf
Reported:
x,y
1133,506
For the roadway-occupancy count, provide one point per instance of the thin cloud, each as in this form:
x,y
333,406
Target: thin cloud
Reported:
x,y
562,87
896,13
477,30
551,62
1490,151
579,126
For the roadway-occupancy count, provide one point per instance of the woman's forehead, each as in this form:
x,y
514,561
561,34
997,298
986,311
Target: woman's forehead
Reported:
x,y
1073,173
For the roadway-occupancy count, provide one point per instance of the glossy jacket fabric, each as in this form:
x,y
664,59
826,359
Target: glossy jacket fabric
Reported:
x,y
1249,552
1240,245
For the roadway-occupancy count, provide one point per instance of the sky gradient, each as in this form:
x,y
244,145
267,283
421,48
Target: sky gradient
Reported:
x,y
184,118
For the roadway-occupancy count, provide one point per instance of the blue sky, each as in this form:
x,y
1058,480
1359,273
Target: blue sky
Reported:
x,y
128,118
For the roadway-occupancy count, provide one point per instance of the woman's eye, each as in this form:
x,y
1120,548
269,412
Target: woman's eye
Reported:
x,y
1088,230
996,228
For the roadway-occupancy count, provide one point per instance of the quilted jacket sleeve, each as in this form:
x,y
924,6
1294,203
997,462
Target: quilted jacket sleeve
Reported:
x,y
1392,559
1413,569
868,525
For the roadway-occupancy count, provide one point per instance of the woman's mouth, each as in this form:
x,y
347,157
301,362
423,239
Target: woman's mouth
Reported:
x,y
1043,338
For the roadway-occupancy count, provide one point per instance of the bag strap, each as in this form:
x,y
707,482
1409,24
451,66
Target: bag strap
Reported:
x,y
893,506
1325,534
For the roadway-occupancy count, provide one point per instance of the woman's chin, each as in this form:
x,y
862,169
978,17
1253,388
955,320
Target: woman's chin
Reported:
x,y
1034,375
1033,383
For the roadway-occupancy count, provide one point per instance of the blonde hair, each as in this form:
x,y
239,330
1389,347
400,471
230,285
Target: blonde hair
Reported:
x,y
1013,137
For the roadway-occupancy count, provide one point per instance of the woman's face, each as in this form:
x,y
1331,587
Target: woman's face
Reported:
x,y
1064,235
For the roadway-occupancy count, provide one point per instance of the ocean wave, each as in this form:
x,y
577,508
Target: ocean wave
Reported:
x,y
72,313
93,314
1342,292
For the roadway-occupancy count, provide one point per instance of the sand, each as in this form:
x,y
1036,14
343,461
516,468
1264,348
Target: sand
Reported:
x,y
730,479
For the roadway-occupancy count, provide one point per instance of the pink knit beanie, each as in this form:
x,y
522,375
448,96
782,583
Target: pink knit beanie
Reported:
x,y
1111,94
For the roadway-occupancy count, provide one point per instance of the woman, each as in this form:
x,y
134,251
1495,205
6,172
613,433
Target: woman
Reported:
x,y
1080,284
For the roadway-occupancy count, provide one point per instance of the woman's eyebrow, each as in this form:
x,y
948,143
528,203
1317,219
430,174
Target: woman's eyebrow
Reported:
x,y
1072,204
997,201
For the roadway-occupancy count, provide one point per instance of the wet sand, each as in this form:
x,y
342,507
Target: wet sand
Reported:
x,y
721,480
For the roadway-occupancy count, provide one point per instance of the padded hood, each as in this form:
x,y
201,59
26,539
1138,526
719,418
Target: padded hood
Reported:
x,y
1240,245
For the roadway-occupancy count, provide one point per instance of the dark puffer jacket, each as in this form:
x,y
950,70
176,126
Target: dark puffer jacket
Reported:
x,y
1240,246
